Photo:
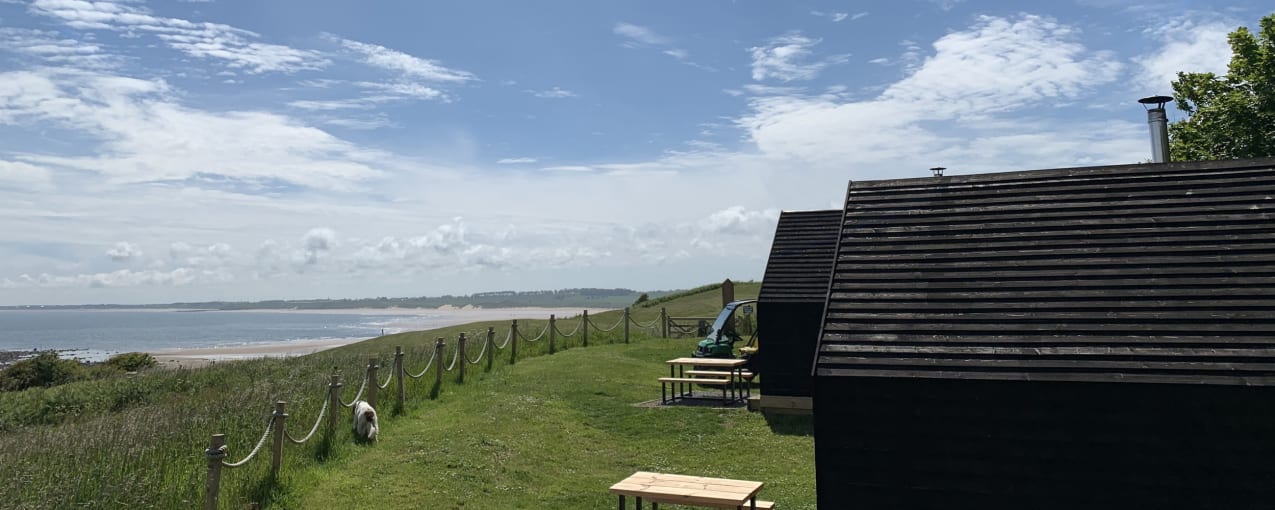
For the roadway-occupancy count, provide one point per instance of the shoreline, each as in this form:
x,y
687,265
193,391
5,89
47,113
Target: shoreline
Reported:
x,y
194,357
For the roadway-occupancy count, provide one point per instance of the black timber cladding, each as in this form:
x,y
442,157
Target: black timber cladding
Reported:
x,y
801,257
793,292
1145,273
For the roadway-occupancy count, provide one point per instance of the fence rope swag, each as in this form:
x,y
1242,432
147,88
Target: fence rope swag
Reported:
x,y
432,355
217,451
358,395
538,337
607,330
574,331
387,380
255,449
326,397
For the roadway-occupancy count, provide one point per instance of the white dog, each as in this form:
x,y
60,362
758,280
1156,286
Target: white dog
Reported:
x,y
365,421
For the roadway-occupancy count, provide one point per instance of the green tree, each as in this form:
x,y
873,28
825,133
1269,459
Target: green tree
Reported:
x,y
1230,116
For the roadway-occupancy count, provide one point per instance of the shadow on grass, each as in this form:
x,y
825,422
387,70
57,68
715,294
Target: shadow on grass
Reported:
x,y
323,448
264,492
791,424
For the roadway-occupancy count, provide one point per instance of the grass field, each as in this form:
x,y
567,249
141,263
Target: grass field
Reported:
x,y
138,442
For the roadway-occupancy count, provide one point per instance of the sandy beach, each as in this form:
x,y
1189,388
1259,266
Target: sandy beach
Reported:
x,y
197,357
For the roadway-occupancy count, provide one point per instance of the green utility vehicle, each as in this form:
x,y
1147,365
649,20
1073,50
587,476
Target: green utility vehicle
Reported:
x,y
721,339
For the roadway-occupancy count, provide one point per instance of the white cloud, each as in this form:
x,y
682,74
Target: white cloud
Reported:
x,y
677,53
317,241
770,90
636,36
639,34
370,123
375,95
837,17
410,66
49,47
947,5
567,168
1002,64
1185,45
143,135
858,15
787,58
333,104
233,46
879,61
996,66
17,174
115,279
124,251
516,161
553,93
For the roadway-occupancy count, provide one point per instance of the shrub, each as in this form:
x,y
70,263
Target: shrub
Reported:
x,y
642,299
131,361
46,369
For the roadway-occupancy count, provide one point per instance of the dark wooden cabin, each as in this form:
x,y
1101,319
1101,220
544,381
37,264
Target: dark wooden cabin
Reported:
x,y
1077,338
790,306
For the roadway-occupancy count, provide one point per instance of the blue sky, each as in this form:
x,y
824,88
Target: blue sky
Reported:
x,y
182,151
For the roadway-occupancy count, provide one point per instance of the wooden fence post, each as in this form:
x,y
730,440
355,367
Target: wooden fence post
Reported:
x,y
552,330
334,401
513,351
584,326
398,374
626,324
372,385
463,360
491,346
663,322
439,345
215,453
279,417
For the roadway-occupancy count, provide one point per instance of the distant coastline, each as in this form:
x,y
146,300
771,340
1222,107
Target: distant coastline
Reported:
x,y
586,298
217,335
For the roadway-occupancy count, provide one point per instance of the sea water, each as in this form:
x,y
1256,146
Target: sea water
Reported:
x,y
93,335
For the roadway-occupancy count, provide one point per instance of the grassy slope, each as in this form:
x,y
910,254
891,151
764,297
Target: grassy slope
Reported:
x,y
555,432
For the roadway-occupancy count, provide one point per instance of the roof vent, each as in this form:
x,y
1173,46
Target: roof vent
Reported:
x,y
1159,124
938,170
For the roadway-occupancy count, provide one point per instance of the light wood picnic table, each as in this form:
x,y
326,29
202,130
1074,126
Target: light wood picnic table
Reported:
x,y
738,389
687,490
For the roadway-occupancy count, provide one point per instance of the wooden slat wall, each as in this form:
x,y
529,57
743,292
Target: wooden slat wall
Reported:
x,y
1147,273
801,257
925,443
793,292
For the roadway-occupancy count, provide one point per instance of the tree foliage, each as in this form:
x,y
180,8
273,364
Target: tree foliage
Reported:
x,y
1231,116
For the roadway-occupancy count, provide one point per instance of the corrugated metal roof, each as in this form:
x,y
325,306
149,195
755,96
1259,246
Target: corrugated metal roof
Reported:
x,y
1151,273
801,257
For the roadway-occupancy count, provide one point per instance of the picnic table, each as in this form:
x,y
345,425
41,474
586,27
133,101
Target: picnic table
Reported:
x,y
688,490
728,373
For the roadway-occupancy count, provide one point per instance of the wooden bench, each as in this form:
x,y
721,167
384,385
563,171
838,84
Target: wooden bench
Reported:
x,y
670,386
761,505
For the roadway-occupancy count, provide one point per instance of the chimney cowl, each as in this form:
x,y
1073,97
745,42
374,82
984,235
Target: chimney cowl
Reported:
x,y
1158,122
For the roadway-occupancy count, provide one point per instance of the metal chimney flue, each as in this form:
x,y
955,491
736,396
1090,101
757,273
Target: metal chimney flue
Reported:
x,y
1159,124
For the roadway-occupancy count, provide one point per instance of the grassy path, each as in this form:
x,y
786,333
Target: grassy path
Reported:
x,y
555,432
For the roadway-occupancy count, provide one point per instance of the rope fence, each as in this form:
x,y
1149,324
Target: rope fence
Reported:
x,y
217,450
